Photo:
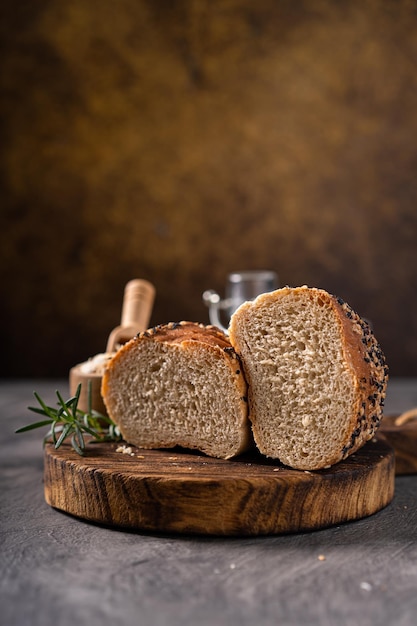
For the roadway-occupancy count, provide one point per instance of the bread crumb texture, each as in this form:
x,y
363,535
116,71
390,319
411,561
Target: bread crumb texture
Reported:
x,y
316,376
179,384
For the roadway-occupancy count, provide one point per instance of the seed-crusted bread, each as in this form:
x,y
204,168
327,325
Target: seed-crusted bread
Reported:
x,y
316,376
179,384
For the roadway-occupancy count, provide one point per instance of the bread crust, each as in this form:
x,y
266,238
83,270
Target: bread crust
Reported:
x,y
362,355
367,360
188,336
178,332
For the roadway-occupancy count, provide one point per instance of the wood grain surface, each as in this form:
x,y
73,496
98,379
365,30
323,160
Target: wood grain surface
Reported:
x,y
186,492
403,438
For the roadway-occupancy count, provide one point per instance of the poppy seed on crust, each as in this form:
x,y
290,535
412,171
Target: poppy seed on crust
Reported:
x,y
371,408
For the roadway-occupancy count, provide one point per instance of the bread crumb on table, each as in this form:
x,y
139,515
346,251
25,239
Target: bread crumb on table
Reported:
x,y
366,586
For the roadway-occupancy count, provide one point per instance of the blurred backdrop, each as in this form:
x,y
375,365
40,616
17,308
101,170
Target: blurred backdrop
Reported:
x,y
178,141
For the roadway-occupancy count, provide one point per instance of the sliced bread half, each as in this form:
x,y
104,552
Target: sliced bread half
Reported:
x,y
179,384
316,376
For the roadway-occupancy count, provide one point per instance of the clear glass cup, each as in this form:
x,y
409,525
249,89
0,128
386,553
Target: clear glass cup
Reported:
x,y
240,287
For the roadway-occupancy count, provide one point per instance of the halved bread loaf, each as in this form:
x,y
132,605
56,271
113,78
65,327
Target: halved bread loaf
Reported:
x,y
316,376
179,384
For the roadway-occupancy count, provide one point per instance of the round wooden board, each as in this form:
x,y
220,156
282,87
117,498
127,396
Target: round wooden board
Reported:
x,y
185,492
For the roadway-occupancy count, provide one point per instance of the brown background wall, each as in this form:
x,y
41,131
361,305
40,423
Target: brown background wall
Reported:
x,y
179,141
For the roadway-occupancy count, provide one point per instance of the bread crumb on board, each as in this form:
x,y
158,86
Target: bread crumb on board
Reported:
x,y
125,450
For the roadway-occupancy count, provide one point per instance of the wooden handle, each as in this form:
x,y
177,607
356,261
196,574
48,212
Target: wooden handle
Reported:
x,y
138,300
137,304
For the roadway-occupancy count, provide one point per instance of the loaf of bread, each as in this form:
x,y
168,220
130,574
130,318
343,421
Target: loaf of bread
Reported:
x,y
316,376
179,384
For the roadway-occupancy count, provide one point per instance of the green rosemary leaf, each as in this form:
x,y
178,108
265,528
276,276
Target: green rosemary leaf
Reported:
x,y
103,418
42,403
91,431
66,431
76,446
64,415
36,409
114,432
65,406
79,437
24,429
67,419
56,428
76,399
65,403
44,410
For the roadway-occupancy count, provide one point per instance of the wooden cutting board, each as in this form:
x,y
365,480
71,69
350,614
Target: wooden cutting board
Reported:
x,y
185,492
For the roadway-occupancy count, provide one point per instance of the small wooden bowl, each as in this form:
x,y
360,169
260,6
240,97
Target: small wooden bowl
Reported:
x,y
77,376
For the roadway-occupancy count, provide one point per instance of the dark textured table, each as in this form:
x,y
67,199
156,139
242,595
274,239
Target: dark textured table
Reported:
x,y
56,570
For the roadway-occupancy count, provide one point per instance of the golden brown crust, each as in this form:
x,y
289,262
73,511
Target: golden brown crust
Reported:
x,y
364,356
367,360
177,332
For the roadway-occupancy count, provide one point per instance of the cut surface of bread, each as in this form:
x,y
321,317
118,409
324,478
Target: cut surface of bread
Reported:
x,y
316,376
179,384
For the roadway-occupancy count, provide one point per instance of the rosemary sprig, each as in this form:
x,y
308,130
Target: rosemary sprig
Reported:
x,y
68,420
